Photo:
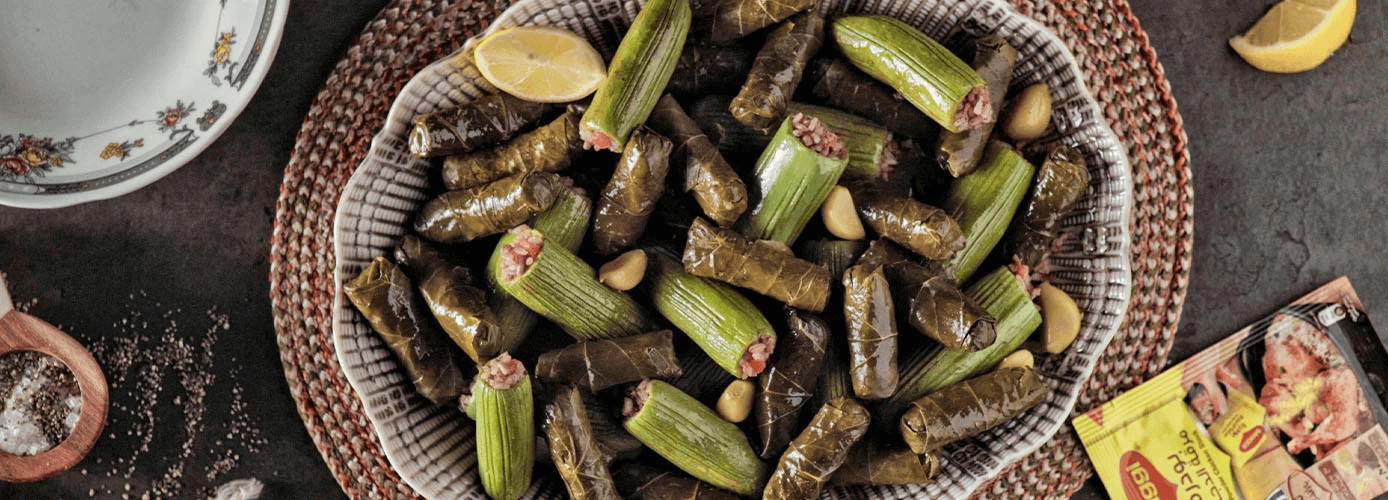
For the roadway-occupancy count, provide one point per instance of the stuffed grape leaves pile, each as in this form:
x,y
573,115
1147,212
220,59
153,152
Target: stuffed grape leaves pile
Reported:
x,y
815,187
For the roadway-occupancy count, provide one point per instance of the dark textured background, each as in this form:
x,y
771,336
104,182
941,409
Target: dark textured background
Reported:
x,y
1288,196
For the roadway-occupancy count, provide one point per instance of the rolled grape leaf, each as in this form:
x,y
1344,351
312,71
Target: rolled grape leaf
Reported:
x,y
460,309
730,136
630,196
959,152
717,188
789,381
598,364
1060,182
762,102
549,148
936,308
466,214
870,463
872,338
738,18
484,121
928,231
818,451
392,307
763,266
970,407
575,449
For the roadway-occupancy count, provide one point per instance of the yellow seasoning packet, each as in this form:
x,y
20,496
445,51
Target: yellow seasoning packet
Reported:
x,y
1149,446
1290,407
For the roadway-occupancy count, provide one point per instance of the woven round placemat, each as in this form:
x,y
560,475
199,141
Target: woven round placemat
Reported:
x,y
1121,70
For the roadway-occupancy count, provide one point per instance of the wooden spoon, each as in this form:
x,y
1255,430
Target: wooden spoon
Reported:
x,y
22,332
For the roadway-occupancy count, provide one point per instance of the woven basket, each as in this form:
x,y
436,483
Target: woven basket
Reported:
x,y
409,34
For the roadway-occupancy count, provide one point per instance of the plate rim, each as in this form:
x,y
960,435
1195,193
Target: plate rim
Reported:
x,y
277,12
1120,244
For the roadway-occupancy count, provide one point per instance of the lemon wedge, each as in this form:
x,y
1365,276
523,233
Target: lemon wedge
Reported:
x,y
540,63
1296,35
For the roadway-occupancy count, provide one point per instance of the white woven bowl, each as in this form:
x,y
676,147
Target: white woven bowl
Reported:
x,y
431,446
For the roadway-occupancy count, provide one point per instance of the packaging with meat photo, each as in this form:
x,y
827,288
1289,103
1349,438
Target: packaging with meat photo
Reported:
x,y
1282,409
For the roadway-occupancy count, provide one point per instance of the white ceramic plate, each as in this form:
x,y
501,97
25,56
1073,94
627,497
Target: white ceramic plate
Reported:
x,y
100,98
432,446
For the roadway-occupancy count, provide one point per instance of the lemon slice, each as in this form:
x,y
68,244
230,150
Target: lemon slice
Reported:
x,y
540,63
1296,35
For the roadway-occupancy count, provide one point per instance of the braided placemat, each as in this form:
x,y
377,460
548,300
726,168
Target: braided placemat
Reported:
x,y
1122,72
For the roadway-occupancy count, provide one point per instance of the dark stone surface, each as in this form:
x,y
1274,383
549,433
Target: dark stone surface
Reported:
x,y
1287,187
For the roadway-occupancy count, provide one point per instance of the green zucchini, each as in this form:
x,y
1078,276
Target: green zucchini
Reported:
x,y
637,76
984,202
926,73
694,438
725,324
564,224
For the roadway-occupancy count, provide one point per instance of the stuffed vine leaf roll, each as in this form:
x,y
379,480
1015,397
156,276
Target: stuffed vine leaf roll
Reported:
x,y
872,337
1060,182
598,364
763,266
842,86
719,191
484,121
549,148
643,482
388,300
630,196
870,463
923,229
459,308
738,18
762,102
466,214
789,381
970,407
936,308
818,451
575,449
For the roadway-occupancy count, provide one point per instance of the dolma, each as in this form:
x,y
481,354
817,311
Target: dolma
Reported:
x,y
727,326
762,102
789,381
928,231
460,309
882,252
700,377
959,152
730,136
392,307
794,175
717,188
936,308
762,266
548,148
1060,182
842,86
818,451
565,223
871,150
643,482
637,75
466,214
738,18
704,69
502,405
615,441
574,447
837,255
872,339
970,407
692,437
630,196
869,463
485,121
598,364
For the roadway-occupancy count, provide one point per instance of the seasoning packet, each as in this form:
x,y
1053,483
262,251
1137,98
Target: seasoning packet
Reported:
x,y
1282,409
